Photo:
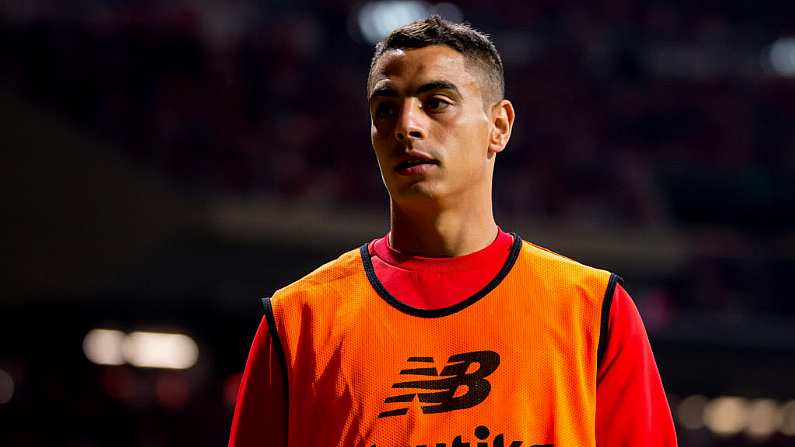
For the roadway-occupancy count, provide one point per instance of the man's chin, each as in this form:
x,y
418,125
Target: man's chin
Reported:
x,y
417,193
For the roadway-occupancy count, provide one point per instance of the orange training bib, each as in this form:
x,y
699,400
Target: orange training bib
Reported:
x,y
513,365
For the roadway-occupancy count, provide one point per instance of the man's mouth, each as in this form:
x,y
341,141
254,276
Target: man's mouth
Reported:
x,y
415,166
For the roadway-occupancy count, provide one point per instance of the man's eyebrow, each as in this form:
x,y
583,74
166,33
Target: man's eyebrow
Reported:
x,y
437,85
384,91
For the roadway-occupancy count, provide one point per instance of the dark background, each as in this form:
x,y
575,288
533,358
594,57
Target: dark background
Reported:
x,y
166,164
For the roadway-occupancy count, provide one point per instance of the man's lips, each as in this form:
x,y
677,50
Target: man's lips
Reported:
x,y
414,166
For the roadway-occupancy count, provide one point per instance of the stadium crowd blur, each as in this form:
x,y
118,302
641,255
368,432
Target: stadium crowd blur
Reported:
x,y
631,114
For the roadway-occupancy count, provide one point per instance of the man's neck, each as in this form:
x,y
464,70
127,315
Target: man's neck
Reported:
x,y
441,233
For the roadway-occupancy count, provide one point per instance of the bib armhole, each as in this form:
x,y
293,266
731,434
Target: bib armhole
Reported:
x,y
607,303
278,347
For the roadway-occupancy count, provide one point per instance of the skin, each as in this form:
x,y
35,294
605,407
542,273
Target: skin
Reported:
x,y
428,104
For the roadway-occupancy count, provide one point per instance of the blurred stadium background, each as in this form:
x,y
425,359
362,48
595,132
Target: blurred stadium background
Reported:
x,y
166,164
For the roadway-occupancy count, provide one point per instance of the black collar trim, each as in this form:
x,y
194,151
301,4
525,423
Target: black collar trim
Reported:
x,y
433,313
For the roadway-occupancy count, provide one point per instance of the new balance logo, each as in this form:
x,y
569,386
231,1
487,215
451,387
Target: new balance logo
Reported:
x,y
453,376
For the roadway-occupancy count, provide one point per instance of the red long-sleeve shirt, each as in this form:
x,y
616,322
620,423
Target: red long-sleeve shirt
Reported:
x,y
631,406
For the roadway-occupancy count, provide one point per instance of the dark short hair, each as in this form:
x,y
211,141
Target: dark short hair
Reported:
x,y
473,44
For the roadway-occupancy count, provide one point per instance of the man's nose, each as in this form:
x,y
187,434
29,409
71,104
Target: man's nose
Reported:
x,y
409,124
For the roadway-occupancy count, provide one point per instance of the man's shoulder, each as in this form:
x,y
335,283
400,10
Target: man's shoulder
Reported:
x,y
346,266
560,265
569,283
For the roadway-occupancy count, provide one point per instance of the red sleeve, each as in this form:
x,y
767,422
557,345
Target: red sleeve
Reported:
x,y
631,406
260,417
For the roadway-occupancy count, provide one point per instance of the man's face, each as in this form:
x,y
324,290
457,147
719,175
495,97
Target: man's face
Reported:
x,y
430,129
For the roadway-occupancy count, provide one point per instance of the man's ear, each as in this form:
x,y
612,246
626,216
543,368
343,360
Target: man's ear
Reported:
x,y
502,116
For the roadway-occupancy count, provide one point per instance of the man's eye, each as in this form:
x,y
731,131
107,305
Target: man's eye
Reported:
x,y
435,104
384,110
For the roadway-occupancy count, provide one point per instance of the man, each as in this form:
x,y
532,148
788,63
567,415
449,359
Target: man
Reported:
x,y
448,331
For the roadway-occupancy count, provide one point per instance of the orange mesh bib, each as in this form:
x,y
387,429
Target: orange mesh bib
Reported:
x,y
513,365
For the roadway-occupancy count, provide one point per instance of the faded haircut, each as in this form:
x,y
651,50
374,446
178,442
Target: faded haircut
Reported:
x,y
474,45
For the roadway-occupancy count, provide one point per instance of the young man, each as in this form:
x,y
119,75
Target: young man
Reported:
x,y
448,331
